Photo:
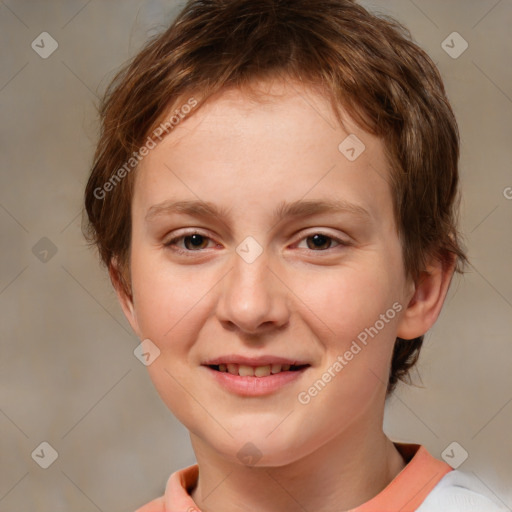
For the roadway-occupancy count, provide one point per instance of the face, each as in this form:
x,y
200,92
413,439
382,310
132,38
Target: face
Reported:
x,y
271,274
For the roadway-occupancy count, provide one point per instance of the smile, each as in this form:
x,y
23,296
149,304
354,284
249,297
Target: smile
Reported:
x,y
255,371
249,381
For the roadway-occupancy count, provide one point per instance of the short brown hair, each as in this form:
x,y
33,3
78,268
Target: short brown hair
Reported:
x,y
365,63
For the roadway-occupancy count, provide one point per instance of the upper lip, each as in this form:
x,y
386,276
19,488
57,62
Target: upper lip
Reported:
x,y
254,361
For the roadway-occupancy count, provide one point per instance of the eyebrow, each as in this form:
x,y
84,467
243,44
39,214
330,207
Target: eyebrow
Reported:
x,y
282,211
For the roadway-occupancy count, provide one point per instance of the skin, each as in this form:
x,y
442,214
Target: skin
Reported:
x,y
294,300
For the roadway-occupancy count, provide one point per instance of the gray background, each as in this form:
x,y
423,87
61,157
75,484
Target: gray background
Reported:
x,y
68,375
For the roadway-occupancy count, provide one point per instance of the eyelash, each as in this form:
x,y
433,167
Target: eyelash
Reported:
x,y
170,243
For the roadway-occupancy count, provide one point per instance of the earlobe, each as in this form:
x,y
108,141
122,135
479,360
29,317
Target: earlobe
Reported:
x,y
124,297
428,298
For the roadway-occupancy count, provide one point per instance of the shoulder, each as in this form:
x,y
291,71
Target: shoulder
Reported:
x,y
461,492
156,505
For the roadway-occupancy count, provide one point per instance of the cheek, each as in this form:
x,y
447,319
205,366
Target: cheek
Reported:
x,y
350,299
353,314
163,294
168,309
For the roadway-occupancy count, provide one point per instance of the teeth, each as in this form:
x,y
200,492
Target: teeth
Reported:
x,y
245,371
262,371
276,368
233,368
249,371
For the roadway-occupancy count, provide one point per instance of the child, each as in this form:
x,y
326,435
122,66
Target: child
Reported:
x,y
274,194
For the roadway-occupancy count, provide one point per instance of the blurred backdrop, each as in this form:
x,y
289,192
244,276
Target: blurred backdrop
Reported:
x,y
74,397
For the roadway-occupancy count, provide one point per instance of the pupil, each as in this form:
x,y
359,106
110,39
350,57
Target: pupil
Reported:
x,y
319,241
196,240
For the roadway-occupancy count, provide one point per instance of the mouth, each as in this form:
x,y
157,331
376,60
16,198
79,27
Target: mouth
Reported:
x,y
243,370
255,381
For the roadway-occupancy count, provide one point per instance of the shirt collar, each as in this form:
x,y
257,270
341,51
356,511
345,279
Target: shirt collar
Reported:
x,y
405,492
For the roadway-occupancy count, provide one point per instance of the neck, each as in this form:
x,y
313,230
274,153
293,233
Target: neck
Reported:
x,y
340,475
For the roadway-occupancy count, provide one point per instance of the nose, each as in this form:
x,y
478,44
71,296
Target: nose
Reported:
x,y
254,299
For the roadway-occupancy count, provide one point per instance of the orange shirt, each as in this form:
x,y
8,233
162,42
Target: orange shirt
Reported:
x,y
405,492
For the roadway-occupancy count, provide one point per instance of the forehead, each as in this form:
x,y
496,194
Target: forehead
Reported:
x,y
292,112
285,141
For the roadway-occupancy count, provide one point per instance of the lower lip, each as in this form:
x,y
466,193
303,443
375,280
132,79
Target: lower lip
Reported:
x,y
255,386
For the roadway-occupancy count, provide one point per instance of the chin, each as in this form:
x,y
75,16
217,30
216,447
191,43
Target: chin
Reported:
x,y
255,448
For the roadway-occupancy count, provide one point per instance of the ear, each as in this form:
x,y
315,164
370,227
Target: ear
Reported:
x,y
124,295
426,303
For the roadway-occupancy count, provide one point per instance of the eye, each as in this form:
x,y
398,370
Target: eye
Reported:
x,y
322,241
193,242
